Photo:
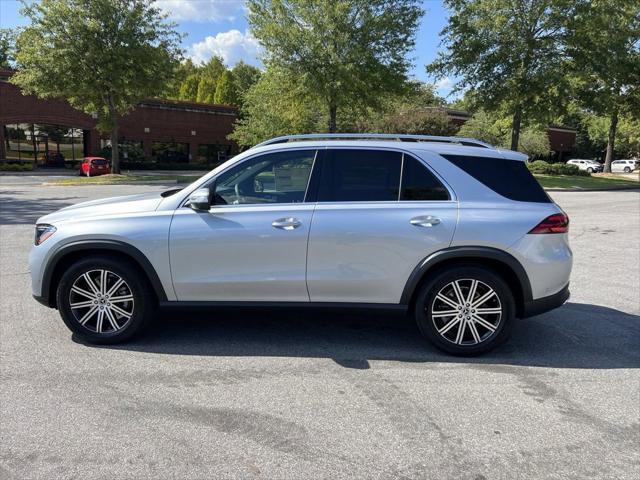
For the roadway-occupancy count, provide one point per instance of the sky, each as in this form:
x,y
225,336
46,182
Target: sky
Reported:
x,y
218,27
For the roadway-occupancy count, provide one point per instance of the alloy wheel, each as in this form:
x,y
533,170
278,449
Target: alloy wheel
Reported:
x,y
101,301
466,312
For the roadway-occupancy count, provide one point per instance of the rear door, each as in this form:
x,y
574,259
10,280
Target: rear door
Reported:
x,y
378,214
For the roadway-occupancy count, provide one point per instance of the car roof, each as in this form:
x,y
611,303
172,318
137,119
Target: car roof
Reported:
x,y
416,146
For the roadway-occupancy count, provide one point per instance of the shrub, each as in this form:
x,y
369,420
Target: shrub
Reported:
x,y
545,168
16,167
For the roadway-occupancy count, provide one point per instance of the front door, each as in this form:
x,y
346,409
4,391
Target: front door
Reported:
x,y
252,244
379,213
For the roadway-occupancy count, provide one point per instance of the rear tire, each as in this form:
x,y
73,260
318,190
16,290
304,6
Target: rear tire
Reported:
x,y
466,310
103,300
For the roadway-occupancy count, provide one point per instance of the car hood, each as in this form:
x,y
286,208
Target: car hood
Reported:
x,y
146,202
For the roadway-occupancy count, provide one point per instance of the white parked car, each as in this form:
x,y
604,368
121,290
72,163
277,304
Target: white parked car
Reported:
x,y
587,165
626,166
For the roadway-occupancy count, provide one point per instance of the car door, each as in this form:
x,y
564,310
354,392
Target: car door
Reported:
x,y
379,213
252,244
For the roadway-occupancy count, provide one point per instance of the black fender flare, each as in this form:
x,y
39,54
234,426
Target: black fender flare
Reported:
x,y
456,253
109,245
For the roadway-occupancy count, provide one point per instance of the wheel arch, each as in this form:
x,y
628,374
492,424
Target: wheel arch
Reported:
x,y
71,252
499,261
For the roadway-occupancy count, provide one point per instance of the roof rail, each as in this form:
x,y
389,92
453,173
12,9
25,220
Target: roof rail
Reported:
x,y
469,142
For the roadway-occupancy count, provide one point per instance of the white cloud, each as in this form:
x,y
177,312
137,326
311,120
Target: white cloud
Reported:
x,y
202,10
232,46
444,86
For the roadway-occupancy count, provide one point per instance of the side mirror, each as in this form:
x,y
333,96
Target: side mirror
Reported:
x,y
199,200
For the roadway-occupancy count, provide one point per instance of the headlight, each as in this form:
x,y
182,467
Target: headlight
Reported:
x,y
44,231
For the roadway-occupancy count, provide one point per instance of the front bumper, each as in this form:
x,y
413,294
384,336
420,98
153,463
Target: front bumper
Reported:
x,y
544,304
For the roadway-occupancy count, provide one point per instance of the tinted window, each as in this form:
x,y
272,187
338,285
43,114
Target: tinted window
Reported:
x,y
360,176
509,178
418,183
280,177
99,162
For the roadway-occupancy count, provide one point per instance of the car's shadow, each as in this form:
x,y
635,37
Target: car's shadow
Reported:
x,y
574,336
17,210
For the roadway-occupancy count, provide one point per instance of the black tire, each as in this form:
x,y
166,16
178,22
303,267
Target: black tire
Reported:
x,y
141,308
503,322
627,170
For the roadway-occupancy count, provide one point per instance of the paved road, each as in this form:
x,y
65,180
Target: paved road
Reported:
x,y
268,395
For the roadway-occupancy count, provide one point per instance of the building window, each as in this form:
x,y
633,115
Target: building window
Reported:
x,y
47,145
211,155
170,152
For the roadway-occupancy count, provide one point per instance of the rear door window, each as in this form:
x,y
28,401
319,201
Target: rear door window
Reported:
x,y
350,175
418,183
509,178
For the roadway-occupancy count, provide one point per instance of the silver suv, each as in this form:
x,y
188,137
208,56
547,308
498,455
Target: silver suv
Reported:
x,y
452,230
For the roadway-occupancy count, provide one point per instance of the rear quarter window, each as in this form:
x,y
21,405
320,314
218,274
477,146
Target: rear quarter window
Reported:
x,y
509,178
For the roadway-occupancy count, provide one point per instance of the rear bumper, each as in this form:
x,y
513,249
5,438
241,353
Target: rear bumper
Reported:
x,y
544,304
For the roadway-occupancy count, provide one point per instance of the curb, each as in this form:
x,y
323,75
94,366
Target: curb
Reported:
x,y
151,182
609,189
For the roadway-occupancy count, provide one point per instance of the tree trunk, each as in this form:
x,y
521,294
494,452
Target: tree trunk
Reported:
x,y
515,128
333,113
115,155
611,141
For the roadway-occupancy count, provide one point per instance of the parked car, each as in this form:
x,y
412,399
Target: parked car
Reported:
x,y
590,166
52,159
626,166
454,231
92,166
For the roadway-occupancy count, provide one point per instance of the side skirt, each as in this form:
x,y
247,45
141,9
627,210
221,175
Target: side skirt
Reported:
x,y
359,307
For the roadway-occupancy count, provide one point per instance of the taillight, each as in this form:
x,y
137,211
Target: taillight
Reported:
x,y
556,223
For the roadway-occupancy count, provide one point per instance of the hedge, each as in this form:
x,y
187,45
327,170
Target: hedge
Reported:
x,y
16,167
545,168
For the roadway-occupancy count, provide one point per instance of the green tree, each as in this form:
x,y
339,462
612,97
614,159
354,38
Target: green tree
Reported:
x,y
495,129
7,47
604,44
510,52
209,75
189,88
182,71
347,52
226,90
278,104
103,56
246,76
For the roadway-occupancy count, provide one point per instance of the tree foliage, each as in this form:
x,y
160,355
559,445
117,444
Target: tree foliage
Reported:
x,y
510,52
604,43
278,104
495,129
226,89
7,47
347,52
103,56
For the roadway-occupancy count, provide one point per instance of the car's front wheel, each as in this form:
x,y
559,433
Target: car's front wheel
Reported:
x,y
465,310
627,170
589,170
103,300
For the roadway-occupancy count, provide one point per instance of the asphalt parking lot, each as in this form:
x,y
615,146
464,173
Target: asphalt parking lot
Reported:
x,y
287,396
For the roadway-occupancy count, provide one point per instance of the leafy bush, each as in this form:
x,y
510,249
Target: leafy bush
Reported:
x,y
16,167
545,168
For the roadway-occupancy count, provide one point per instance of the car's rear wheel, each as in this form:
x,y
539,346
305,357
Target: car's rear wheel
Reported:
x,y
465,310
103,300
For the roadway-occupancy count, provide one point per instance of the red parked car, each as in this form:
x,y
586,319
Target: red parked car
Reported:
x,y
91,166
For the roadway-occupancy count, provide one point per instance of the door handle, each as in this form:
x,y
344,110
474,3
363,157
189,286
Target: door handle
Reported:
x,y
287,223
425,221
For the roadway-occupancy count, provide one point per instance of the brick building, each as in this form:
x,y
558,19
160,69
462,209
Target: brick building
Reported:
x,y
164,131
156,132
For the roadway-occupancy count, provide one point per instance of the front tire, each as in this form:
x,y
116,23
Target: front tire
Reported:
x,y
465,310
103,300
589,170
627,170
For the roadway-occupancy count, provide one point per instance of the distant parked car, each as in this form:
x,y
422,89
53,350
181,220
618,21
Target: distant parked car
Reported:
x,y
52,159
626,166
92,166
587,165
